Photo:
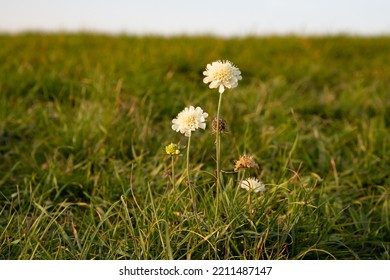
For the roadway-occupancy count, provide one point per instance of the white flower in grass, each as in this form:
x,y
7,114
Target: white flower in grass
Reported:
x,y
221,74
188,120
252,184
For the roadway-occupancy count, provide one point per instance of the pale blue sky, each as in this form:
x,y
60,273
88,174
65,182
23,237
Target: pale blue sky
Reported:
x,y
220,17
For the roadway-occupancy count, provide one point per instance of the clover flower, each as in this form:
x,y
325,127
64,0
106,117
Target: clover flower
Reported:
x,y
252,184
245,162
172,149
221,74
188,120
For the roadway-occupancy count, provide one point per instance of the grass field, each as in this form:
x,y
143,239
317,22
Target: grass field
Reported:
x,y
84,120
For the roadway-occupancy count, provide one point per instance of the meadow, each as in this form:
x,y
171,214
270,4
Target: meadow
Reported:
x,y
84,121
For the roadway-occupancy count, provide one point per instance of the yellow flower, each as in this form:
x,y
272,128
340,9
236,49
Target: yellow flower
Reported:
x,y
172,149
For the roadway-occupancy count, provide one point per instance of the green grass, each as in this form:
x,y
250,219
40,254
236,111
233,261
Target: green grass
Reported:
x,y
84,120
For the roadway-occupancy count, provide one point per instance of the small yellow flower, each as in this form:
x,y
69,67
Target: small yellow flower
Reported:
x,y
172,149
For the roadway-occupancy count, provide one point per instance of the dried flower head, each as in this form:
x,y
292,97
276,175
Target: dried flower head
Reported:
x,y
245,162
188,120
221,74
221,126
252,184
172,149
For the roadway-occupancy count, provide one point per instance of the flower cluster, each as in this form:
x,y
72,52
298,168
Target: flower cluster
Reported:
x,y
221,75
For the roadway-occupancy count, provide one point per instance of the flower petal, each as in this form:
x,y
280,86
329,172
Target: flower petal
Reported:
x,y
207,80
214,84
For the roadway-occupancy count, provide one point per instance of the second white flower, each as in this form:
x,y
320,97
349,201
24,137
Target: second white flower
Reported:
x,y
190,119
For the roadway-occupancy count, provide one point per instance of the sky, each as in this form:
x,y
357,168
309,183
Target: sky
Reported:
x,y
214,17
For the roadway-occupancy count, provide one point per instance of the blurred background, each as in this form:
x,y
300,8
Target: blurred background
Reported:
x,y
216,17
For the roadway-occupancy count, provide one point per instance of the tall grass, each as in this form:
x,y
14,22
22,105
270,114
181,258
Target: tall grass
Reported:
x,y
84,120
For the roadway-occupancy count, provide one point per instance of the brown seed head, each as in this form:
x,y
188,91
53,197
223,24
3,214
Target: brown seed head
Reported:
x,y
222,125
245,162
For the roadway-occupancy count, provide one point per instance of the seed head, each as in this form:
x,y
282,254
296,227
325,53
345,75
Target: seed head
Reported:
x,y
245,162
221,125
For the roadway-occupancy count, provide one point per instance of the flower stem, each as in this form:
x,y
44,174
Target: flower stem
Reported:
x,y
173,173
188,160
193,197
218,155
250,205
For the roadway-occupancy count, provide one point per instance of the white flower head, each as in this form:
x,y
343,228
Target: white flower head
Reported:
x,y
188,120
252,184
221,74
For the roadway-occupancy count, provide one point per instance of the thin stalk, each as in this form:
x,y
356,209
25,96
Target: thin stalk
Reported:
x,y
173,173
188,160
218,157
250,205
193,197
218,144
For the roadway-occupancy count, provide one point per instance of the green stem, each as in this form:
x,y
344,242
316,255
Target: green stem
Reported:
x,y
218,142
218,156
193,197
173,173
188,159
250,205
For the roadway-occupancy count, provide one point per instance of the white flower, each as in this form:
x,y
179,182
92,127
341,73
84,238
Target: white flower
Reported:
x,y
190,119
252,184
222,74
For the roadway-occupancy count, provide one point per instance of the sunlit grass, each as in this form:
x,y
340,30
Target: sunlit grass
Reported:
x,y
84,121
